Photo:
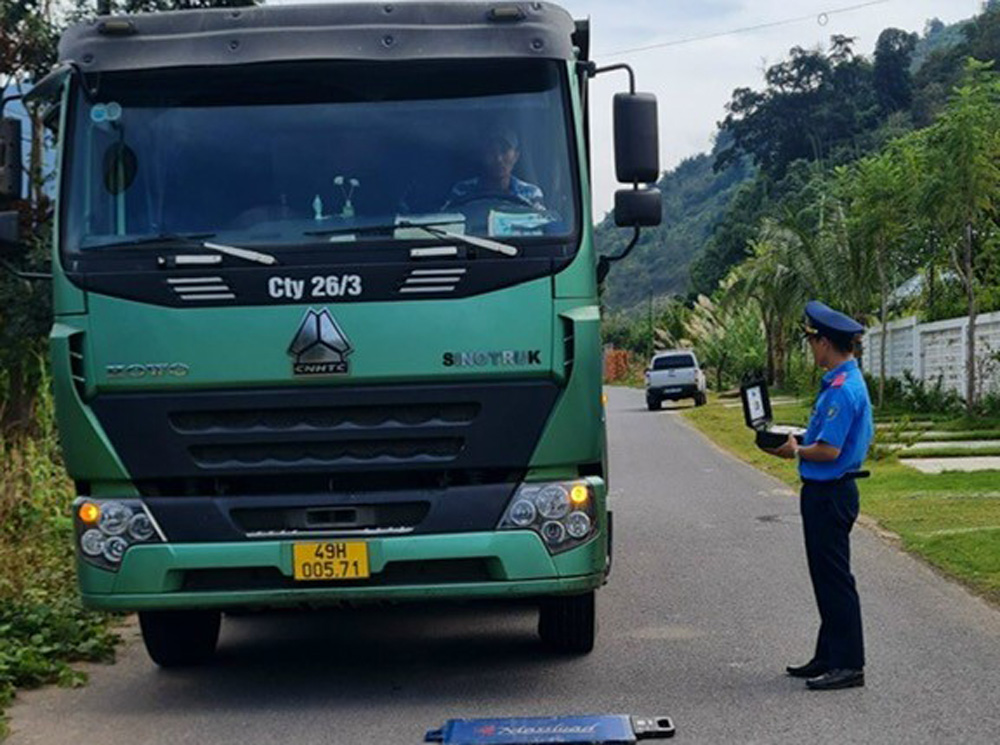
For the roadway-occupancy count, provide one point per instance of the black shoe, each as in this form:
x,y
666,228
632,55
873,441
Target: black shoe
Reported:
x,y
837,679
811,669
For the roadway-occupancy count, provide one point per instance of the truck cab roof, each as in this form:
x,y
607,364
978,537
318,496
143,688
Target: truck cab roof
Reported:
x,y
343,31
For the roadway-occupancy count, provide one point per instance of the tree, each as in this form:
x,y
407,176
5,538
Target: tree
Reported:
x,y
812,104
877,213
961,163
770,280
891,74
28,36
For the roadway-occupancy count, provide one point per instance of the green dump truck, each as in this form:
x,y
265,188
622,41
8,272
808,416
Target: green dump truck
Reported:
x,y
326,310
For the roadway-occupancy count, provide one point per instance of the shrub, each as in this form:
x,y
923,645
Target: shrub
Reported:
x,y
922,398
43,627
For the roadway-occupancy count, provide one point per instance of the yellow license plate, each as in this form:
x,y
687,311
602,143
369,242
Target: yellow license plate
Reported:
x,y
327,561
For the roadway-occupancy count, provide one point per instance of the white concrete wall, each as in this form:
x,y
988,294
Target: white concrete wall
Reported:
x,y
937,350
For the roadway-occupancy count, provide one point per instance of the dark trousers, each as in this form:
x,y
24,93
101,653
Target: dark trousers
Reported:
x,y
829,510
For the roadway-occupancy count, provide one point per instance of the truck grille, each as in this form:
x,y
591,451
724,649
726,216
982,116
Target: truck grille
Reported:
x,y
327,453
324,431
328,418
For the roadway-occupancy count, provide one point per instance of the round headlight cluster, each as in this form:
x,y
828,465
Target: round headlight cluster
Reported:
x,y
553,502
107,529
114,518
523,513
140,527
578,525
560,513
92,542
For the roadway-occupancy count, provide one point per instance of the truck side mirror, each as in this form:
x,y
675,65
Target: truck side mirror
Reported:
x,y
11,173
637,143
638,208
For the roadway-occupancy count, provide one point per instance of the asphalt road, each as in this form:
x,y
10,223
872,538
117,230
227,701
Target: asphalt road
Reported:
x,y
708,601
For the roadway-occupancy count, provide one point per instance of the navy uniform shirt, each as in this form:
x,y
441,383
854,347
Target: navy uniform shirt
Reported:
x,y
842,418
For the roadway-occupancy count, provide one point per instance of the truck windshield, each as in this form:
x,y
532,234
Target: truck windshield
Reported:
x,y
328,154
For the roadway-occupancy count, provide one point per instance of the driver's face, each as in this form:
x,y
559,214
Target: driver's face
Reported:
x,y
499,159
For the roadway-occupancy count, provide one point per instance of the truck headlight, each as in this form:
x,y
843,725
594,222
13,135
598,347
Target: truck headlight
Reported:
x,y
523,513
107,528
553,501
114,518
562,513
578,525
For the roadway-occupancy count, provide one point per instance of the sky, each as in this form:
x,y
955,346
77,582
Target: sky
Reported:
x,y
695,79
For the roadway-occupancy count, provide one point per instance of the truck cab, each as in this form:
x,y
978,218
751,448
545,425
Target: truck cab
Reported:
x,y
327,319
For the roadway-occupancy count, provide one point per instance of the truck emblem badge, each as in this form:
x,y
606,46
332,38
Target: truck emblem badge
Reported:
x,y
320,347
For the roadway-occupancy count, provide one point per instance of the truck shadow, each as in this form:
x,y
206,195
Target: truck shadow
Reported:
x,y
346,658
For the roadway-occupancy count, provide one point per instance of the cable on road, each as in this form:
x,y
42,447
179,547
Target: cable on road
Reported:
x,y
822,18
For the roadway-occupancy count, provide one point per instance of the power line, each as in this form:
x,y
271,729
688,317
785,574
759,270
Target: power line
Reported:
x,y
822,18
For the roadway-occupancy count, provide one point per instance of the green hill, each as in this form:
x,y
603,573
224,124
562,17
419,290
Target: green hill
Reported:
x,y
695,199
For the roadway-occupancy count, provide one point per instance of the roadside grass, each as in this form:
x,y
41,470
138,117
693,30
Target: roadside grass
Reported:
x,y
43,627
992,449
947,435
938,421
951,520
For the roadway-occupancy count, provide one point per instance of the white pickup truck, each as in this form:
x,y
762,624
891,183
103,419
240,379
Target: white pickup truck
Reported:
x,y
674,375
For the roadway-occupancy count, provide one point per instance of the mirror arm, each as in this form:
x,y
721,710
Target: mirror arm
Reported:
x,y
595,71
29,276
604,262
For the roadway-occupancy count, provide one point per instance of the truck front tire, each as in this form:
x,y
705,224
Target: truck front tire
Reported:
x,y
568,623
180,638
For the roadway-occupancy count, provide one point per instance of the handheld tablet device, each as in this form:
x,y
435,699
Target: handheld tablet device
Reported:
x,y
757,414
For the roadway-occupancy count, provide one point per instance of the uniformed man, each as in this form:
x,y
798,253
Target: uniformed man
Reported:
x,y
830,457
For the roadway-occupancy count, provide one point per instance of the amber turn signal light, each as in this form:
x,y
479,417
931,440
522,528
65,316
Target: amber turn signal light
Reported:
x,y
89,513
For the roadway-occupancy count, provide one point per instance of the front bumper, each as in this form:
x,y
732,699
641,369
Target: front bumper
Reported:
x,y
513,563
672,392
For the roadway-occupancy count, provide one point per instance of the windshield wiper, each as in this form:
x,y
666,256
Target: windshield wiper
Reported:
x,y
470,240
430,228
192,241
241,253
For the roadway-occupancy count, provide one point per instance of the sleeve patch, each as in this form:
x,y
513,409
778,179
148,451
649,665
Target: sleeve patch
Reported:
x,y
839,381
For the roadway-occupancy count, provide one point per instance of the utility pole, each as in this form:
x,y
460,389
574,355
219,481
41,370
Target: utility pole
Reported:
x,y
652,345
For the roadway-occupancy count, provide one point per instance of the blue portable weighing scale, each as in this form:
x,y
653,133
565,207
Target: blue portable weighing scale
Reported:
x,y
582,730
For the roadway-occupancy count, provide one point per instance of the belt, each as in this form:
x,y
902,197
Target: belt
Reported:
x,y
849,476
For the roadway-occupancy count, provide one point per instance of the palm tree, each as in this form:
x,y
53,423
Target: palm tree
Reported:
x,y
770,279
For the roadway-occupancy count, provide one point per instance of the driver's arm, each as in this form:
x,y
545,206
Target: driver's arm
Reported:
x,y
531,194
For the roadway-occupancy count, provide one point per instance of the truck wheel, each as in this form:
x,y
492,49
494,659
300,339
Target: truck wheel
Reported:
x,y
653,404
180,638
567,623
700,399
